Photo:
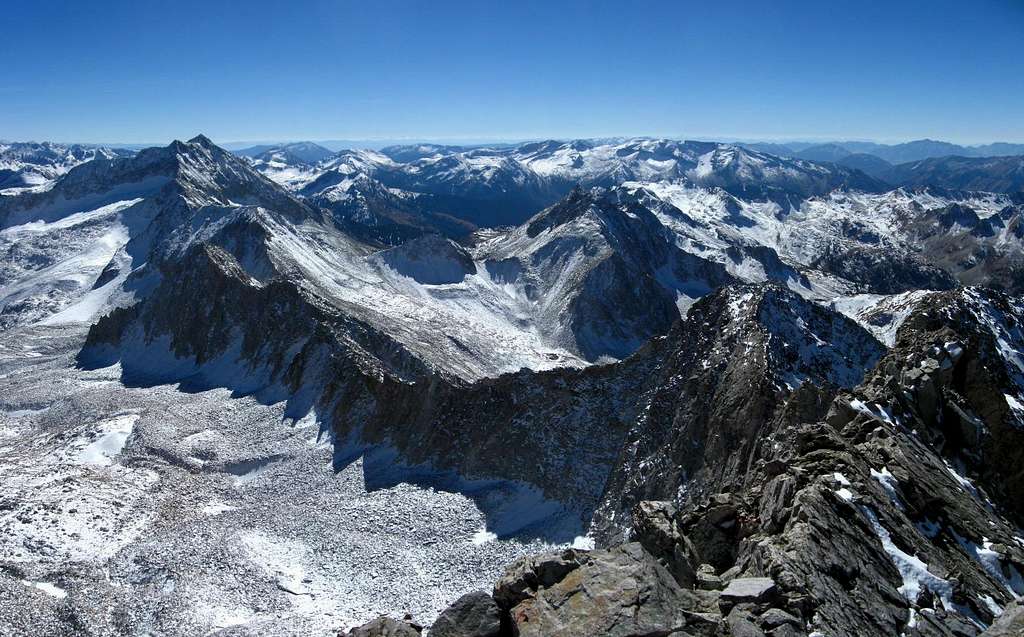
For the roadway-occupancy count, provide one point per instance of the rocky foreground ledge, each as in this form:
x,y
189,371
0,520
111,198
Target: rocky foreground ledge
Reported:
x,y
626,591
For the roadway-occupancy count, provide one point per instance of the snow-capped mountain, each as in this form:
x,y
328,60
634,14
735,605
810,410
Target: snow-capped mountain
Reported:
x,y
288,154
594,275
602,275
171,201
341,167
71,247
288,164
34,165
372,212
737,170
774,392
879,242
504,185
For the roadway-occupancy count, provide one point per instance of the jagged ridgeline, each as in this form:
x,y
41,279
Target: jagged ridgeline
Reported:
x,y
778,396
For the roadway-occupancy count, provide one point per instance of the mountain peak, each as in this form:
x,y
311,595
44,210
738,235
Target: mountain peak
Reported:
x,y
202,140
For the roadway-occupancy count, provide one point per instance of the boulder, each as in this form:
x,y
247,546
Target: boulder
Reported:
x,y
385,627
741,623
654,526
472,615
617,592
707,580
775,617
525,576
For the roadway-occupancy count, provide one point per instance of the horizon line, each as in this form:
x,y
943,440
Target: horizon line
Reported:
x,y
477,140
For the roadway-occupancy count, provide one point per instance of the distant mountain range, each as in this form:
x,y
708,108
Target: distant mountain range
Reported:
x,y
965,167
994,174
454,188
28,164
893,153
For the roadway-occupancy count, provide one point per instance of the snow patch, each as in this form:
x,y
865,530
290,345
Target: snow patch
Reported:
x,y
845,494
50,589
483,536
583,543
889,484
912,569
216,508
1016,408
1009,577
114,434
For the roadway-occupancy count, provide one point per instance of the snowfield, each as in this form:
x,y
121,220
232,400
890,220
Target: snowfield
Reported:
x,y
193,511
51,266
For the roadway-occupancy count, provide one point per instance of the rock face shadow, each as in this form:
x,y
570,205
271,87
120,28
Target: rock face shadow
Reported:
x,y
512,509
154,363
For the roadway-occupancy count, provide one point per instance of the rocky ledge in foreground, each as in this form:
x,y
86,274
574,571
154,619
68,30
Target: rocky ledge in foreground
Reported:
x,y
656,586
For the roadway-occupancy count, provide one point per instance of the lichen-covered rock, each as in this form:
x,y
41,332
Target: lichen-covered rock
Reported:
x,y
525,576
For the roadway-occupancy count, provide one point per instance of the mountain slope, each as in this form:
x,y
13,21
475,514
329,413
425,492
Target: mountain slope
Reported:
x,y
604,275
849,241
823,152
868,164
368,210
288,164
108,218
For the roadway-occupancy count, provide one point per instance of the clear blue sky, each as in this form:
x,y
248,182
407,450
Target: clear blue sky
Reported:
x,y
148,71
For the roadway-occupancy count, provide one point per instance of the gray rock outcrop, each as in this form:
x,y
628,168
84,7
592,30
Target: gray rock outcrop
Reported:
x,y
473,615
385,627
617,592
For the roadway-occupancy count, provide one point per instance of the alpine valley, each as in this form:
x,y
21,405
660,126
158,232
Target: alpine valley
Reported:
x,y
626,387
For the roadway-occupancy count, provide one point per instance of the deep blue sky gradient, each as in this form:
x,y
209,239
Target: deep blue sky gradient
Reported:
x,y
148,71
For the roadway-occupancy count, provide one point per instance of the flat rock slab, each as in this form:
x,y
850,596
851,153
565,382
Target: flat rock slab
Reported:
x,y
749,590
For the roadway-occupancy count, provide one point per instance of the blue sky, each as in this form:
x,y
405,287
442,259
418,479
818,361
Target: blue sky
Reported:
x,y
148,71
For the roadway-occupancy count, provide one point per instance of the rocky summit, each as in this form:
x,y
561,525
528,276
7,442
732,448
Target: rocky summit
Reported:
x,y
631,387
